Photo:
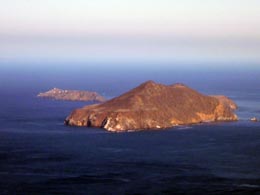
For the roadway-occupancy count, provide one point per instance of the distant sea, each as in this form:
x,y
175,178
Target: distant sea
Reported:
x,y
39,155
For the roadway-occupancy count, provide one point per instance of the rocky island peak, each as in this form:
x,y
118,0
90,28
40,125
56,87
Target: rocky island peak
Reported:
x,y
154,106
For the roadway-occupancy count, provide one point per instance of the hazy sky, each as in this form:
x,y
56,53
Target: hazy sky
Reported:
x,y
149,30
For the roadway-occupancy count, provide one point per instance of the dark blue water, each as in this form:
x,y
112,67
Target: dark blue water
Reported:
x,y
39,155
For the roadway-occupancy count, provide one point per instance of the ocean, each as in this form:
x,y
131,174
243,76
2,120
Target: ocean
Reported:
x,y
39,155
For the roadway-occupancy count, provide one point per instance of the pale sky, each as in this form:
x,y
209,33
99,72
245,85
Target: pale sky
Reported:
x,y
149,30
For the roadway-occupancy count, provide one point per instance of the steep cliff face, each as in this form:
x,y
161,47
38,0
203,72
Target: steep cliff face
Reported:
x,y
154,106
71,95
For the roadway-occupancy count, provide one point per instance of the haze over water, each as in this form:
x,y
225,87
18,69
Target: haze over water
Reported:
x,y
137,30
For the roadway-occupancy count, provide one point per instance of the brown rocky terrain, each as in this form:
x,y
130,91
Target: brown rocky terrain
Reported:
x,y
227,101
71,95
154,106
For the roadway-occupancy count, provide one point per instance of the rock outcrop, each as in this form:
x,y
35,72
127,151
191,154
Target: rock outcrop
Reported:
x,y
71,95
254,119
227,101
154,106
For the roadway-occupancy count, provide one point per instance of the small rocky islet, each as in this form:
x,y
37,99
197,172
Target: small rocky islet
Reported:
x,y
72,95
254,119
154,106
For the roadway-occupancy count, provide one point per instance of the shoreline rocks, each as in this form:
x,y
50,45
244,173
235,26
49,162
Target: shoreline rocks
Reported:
x,y
254,119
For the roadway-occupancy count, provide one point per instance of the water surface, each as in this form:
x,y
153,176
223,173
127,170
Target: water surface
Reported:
x,y
39,155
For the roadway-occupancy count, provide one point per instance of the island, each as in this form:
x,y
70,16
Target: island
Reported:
x,y
154,106
72,95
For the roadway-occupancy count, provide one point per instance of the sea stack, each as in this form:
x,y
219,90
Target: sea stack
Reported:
x,y
154,106
254,119
72,95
